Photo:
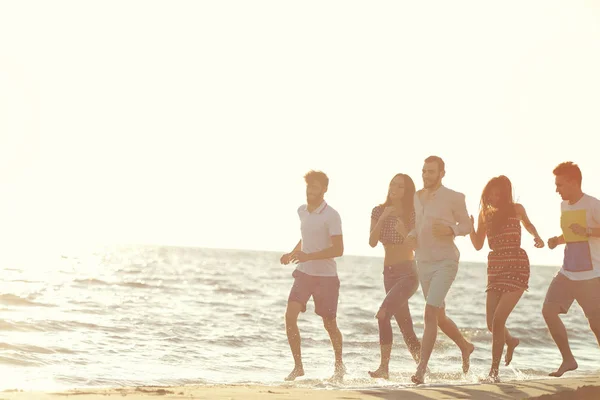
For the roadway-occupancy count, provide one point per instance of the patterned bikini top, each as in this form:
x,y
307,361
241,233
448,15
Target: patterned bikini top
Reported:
x,y
389,235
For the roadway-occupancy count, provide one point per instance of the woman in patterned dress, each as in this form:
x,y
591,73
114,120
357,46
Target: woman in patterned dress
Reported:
x,y
500,221
390,223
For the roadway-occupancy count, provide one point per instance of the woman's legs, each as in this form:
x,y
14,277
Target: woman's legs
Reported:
x,y
499,307
396,304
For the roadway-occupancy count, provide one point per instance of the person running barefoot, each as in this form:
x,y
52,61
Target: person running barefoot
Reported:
x,y
390,223
579,277
500,221
441,215
316,272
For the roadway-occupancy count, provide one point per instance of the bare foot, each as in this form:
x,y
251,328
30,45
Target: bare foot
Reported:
x,y
510,349
380,373
338,373
296,372
419,377
565,367
466,356
491,378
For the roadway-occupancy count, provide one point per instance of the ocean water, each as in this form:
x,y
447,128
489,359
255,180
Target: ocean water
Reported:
x,y
173,316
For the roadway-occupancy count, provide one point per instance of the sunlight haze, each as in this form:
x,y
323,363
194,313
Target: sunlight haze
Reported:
x,y
193,123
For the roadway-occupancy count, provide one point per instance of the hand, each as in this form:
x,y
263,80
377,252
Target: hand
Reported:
x,y
539,243
440,230
552,242
578,229
400,228
298,257
285,259
411,242
387,212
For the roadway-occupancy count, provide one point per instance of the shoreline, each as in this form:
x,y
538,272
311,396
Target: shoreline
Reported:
x,y
581,388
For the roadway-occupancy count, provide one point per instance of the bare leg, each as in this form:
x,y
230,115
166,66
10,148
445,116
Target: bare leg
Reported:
x,y
507,303
384,366
451,330
559,334
293,335
405,323
511,342
396,304
429,336
337,342
511,345
385,341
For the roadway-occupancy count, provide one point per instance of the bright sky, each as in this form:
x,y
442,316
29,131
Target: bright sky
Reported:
x,y
192,123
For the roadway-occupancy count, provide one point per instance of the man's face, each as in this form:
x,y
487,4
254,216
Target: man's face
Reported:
x,y
565,188
432,175
314,193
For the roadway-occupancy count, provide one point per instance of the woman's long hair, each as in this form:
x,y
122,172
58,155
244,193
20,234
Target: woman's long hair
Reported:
x,y
408,200
496,216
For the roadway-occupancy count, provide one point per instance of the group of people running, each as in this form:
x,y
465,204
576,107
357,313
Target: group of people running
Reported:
x,y
417,230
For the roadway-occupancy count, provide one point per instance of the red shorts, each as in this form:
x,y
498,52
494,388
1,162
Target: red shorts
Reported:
x,y
324,290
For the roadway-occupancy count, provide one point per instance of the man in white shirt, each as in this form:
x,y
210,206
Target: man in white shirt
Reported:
x,y
441,214
579,277
316,272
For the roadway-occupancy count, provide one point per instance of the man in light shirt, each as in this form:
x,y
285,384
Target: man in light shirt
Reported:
x,y
579,277
316,273
441,214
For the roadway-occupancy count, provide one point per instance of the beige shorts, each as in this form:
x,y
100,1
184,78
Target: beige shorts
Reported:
x,y
436,277
563,291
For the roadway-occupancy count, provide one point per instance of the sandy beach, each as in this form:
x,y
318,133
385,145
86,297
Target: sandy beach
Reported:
x,y
580,388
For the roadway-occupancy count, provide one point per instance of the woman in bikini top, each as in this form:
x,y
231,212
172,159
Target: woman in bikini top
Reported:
x,y
390,224
393,228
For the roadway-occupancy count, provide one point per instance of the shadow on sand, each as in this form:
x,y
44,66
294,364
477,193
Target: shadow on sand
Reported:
x,y
539,390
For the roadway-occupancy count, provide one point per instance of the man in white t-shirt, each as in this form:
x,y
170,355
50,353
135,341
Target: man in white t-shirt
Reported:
x,y
316,271
579,277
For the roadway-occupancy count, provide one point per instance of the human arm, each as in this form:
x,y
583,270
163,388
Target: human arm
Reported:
x,y
595,232
377,220
539,243
581,231
462,222
405,225
375,230
589,231
461,216
285,259
336,250
555,241
478,235
334,226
